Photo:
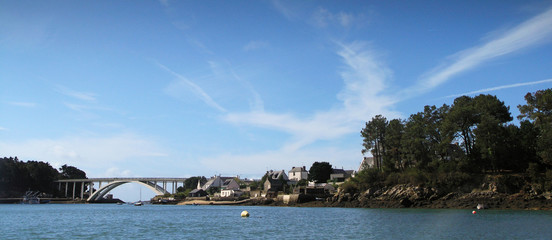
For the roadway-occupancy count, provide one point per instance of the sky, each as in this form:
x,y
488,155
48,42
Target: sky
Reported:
x,y
200,88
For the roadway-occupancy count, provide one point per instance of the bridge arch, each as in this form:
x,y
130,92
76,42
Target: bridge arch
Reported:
x,y
102,191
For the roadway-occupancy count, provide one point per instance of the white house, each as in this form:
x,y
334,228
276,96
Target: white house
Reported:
x,y
230,193
298,173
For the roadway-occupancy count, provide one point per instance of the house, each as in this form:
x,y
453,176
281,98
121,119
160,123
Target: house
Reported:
x,y
340,175
275,180
221,183
197,193
367,162
215,181
231,193
319,189
230,184
298,174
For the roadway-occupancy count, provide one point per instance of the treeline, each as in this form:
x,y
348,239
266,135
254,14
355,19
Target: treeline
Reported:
x,y
449,146
17,177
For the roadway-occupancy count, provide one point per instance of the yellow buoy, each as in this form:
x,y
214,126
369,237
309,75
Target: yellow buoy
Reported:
x,y
245,214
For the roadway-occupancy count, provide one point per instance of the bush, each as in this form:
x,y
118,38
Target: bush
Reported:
x,y
450,181
368,178
548,181
349,187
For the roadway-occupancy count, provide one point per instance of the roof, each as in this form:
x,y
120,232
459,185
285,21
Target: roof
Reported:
x,y
298,169
197,190
277,174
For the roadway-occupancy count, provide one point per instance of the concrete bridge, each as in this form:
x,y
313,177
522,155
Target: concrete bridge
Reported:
x,y
112,183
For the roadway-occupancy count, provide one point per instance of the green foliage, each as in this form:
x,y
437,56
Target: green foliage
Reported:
x,y
349,187
17,177
369,178
373,137
302,182
70,172
320,172
191,183
548,180
180,195
213,190
539,111
450,147
256,185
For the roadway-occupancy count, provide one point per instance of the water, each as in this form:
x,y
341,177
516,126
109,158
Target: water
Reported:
x,y
110,221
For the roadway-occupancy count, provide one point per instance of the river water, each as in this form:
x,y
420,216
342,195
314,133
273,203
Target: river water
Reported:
x,y
110,221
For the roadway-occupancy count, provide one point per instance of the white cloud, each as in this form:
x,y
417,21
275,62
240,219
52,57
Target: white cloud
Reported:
x,y
286,10
254,45
165,3
486,90
3,129
23,104
84,96
182,85
114,171
364,80
527,34
92,154
254,165
256,104
322,18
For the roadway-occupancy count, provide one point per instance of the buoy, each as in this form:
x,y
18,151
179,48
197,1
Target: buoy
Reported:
x,y
474,212
245,214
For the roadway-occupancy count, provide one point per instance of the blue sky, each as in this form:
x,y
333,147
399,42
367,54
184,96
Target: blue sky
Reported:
x,y
185,88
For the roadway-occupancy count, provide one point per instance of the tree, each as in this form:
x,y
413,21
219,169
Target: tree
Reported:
x,y
70,172
539,111
373,135
191,183
393,145
462,122
320,172
42,176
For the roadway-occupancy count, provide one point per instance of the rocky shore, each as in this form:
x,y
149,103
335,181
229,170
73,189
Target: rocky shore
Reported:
x,y
408,196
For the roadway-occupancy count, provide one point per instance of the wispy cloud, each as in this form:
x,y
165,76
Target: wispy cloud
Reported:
x,y
486,90
183,84
527,34
23,104
253,165
323,18
257,103
3,129
165,3
286,10
362,97
84,108
254,45
84,96
92,154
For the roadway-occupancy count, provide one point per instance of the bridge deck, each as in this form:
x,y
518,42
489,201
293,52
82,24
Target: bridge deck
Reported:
x,y
123,179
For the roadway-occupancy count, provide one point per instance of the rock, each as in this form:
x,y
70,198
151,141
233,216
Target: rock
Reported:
x,y
405,202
